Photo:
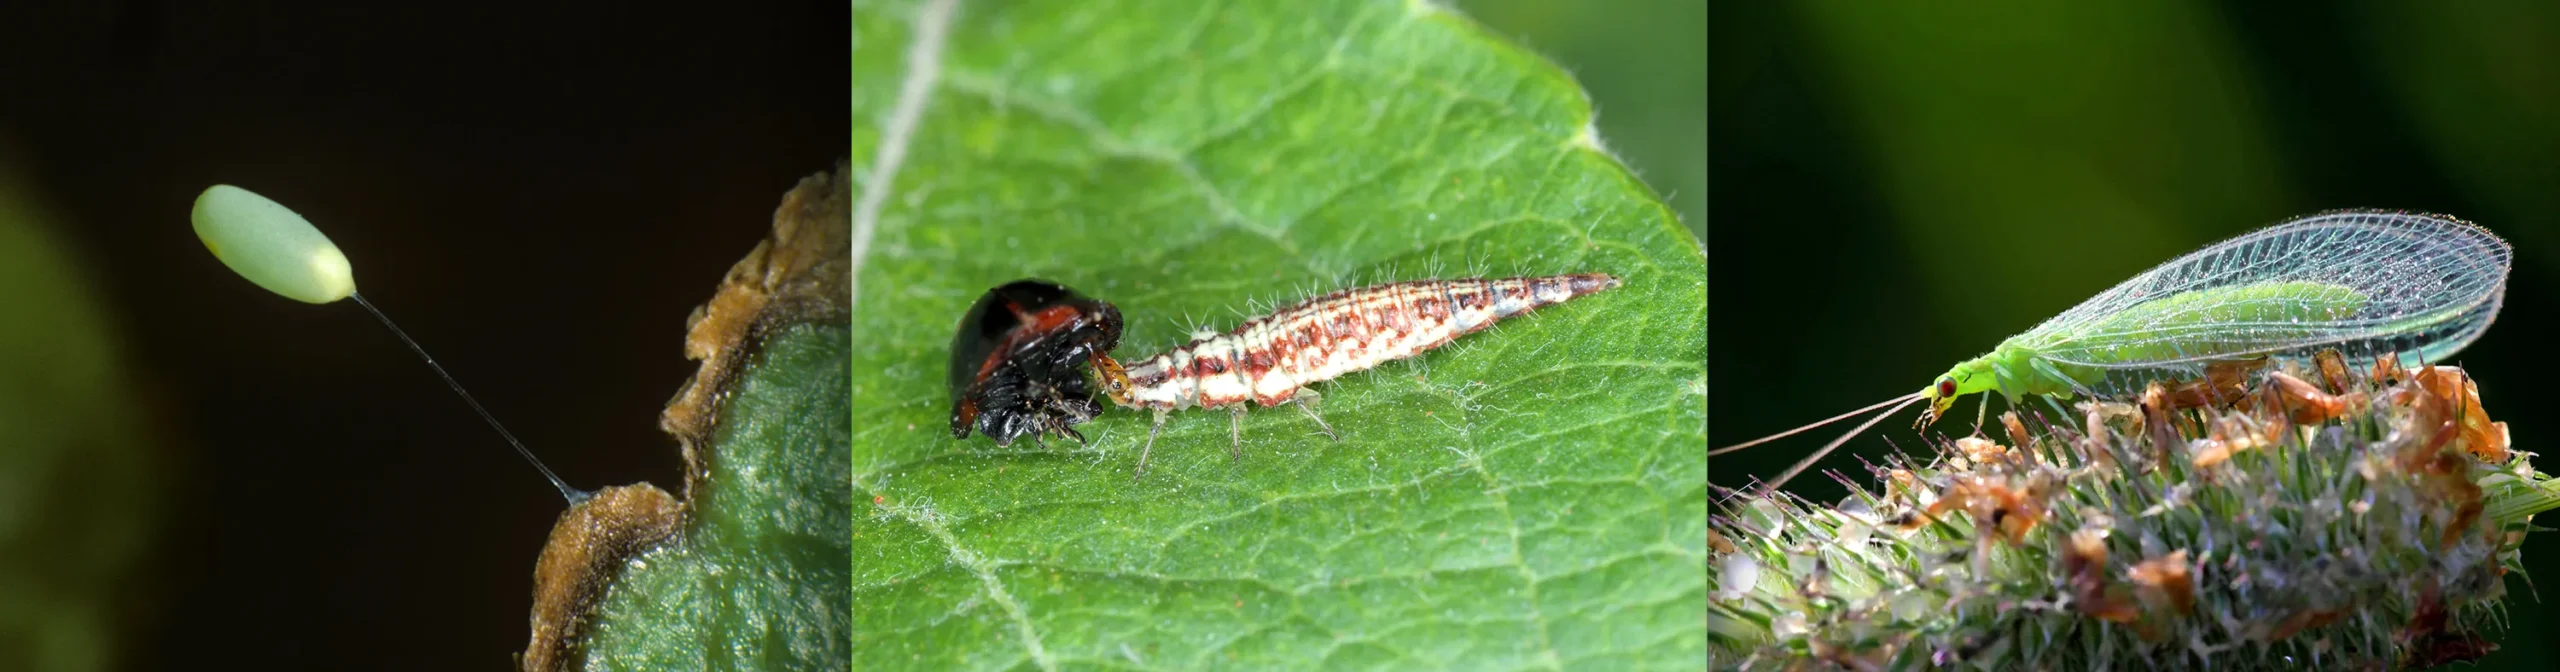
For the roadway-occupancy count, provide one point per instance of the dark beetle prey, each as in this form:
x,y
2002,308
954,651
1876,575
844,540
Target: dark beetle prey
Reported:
x,y
1016,361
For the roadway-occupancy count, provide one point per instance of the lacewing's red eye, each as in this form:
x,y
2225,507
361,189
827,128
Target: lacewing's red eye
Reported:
x,y
1946,388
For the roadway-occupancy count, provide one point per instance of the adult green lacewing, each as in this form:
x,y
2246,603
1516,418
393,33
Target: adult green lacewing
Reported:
x,y
2364,283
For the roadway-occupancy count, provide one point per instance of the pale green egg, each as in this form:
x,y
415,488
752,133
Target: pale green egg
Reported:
x,y
272,246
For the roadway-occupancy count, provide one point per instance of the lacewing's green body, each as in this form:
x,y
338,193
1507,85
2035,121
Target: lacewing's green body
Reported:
x,y
2363,283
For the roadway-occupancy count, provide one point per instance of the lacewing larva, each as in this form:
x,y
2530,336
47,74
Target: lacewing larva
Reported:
x,y
2366,283
275,248
1270,360
1015,361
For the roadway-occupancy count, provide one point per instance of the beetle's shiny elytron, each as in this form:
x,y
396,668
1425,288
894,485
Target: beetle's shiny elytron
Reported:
x,y
1016,364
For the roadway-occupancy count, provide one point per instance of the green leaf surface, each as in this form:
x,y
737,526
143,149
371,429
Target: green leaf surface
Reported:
x,y
755,581
1528,497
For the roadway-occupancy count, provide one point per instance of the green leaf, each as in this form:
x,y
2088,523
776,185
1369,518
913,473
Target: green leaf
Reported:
x,y
1528,497
755,581
748,571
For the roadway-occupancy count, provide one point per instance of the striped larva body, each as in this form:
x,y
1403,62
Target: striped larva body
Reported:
x,y
1270,360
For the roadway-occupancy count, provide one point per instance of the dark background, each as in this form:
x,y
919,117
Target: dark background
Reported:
x,y
539,193
1646,70
1895,187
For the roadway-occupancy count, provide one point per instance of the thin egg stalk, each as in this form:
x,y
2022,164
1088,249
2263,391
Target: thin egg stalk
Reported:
x,y
275,248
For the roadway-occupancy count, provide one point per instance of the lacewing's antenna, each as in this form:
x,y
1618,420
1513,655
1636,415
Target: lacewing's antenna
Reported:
x,y
1799,430
1801,465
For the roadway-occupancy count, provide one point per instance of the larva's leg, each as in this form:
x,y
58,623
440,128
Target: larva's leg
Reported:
x,y
1235,433
1306,401
1151,444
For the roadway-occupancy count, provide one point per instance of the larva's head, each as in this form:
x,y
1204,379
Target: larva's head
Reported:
x,y
270,245
1115,379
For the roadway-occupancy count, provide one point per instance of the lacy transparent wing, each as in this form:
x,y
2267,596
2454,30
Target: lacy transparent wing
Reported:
x,y
2361,281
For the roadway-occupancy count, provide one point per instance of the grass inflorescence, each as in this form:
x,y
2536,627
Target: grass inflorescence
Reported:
x,y
2296,516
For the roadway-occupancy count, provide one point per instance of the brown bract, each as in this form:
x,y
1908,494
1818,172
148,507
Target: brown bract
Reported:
x,y
2084,563
2165,582
2017,430
1995,505
2305,403
2428,642
800,273
2460,399
2447,414
2223,383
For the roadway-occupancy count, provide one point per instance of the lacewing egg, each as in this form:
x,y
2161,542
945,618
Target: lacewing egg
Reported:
x,y
272,246
267,243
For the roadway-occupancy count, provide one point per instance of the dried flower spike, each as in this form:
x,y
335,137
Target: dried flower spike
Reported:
x,y
2368,520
